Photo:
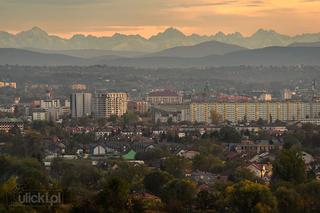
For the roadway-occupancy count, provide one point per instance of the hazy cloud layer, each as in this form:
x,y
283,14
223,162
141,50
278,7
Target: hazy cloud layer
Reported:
x,y
104,17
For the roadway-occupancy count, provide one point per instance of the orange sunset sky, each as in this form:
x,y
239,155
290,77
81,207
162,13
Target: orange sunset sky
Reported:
x,y
148,17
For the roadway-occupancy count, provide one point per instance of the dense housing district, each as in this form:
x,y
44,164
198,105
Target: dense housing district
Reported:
x,y
165,150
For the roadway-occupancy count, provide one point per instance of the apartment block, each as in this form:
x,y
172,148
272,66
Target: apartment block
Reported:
x,y
252,111
110,103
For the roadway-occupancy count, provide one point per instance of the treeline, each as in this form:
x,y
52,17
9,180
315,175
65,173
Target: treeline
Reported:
x,y
117,186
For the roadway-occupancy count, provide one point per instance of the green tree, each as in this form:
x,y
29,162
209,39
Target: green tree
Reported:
x,y
288,200
114,196
310,193
205,200
175,165
7,190
290,140
289,166
207,163
154,181
230,135
130,118
75,175
30,173
241,174
179,195
29,145
206,147
249,197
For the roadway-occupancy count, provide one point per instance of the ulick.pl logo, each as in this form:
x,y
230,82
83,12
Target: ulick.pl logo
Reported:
x,y
40,198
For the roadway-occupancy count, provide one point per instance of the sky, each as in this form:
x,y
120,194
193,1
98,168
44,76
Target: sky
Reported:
x,y
148,17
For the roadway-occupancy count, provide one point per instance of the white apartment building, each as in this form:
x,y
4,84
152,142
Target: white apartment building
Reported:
x,y
39,115
252,111
46,104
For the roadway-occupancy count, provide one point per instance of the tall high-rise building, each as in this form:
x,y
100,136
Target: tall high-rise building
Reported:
x,y
110,103
81,104
100,105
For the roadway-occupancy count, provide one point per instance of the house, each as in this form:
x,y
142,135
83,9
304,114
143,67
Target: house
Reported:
x,y
181,134
207,177
189,154
103,133
6,124
131,155
307,158
255,147
80,152
141,146
99,150
159,131
263,157
263,171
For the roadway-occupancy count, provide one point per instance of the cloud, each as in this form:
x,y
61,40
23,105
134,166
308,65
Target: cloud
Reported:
x,y
54,2
204,4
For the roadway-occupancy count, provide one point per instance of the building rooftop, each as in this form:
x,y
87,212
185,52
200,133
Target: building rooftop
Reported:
x,y
10,120
131,155
163,93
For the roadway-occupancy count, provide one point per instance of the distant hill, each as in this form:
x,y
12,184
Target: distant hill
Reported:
x,y
312,44
277,56
37,38
24,57
90,53
199,50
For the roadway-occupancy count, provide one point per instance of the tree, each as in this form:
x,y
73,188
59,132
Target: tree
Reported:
x,y
175,165
113,119
216,118
207,163
310,193
179,194
29,145
7,190
289,166
242,174
155,181
261,122
207,147
288,200
114,196
75,175
290,140
249,197
230,135
205,200
130,118
15,130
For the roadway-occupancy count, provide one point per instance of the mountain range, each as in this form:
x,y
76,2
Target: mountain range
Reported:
x,y
37,38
